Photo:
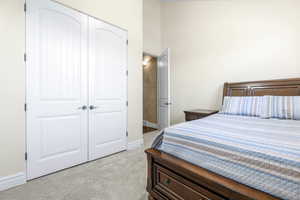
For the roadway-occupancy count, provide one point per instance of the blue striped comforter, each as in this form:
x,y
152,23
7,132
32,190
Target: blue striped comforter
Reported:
x,y
261,153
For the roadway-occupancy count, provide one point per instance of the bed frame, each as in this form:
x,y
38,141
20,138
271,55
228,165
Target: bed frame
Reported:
x,y
171,178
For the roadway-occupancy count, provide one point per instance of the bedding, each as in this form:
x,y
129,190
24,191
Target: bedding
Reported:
x,y
261,153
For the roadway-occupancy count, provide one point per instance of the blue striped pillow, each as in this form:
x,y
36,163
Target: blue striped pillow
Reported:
x,y
282,107
248,105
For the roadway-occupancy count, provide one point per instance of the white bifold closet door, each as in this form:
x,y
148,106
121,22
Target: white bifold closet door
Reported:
x,y
76,88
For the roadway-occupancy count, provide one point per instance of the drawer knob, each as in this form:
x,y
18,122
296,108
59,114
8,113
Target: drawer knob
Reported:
x,y
167,181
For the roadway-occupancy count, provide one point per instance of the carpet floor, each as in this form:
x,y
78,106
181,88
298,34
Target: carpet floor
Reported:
x,y
118,177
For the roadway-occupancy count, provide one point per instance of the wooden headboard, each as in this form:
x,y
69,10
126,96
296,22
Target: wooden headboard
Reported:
x,y
282,87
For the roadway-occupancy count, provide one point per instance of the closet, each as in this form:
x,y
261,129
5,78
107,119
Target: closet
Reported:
x,y
76,88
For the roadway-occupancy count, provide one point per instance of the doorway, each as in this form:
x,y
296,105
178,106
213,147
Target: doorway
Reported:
x,y
150,99
156,91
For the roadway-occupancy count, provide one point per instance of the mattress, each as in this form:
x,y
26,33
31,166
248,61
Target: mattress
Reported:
x,y
261,153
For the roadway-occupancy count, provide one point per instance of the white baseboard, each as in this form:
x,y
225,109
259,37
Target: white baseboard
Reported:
x,y
135,144
150,124
12,181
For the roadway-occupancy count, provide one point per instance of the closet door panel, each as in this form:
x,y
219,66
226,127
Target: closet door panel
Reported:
x,y
108,89
56,87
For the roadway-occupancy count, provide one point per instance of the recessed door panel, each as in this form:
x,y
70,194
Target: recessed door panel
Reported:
x,y
107,89
56,87
55,127
60,49
110,63
105,127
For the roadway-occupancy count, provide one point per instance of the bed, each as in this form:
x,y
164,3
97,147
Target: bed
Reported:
x,y
229,156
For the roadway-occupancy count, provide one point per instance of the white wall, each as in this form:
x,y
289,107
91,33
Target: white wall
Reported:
x,y
152,27
126,14
227,40
12,87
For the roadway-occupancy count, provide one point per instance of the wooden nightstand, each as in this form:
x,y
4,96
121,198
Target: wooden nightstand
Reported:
x,y
198,114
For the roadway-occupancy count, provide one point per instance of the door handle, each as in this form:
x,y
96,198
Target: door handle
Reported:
x,y
93,107
168,103
82,108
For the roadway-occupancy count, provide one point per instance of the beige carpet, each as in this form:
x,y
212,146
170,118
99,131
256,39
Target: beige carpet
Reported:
x,y
118,177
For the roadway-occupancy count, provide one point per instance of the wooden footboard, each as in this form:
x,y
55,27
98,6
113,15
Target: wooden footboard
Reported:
x,y
170,178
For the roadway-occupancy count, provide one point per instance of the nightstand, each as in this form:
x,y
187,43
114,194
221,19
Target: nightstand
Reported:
x,y
198,114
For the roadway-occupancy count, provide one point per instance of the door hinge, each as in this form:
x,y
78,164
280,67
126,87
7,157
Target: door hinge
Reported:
x,y
26,155
25,107
25,57
127,133
127,42
25,7
127,103
126,72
